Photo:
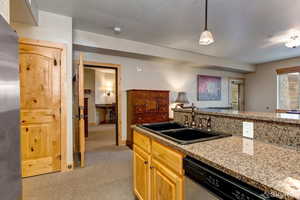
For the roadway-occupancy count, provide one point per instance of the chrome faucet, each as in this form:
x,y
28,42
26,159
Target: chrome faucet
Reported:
x,y
191,124
194,124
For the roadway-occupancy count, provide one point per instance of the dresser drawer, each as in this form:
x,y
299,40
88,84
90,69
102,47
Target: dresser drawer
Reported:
x,y
167,156
142,141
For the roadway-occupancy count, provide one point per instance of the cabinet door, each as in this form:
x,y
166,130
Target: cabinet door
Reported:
x,y
165,184
141,173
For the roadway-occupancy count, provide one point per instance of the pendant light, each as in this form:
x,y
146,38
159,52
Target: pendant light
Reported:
x,y
293,41
206,37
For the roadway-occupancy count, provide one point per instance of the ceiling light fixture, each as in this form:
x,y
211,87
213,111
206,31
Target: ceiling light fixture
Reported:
x,y
206,37
117,30
293,41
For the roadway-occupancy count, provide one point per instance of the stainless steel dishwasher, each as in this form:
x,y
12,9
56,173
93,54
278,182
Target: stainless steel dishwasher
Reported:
x,y
203,182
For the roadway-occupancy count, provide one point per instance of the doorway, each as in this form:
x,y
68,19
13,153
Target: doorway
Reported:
x,y
236,93
100,110
97,105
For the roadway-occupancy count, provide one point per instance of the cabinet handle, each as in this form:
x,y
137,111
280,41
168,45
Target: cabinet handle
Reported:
x,y
151,167
146,162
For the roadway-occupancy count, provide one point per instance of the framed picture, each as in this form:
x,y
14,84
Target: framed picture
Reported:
x,y
209,88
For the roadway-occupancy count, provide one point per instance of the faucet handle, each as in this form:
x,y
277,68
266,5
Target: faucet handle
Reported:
x,y
208,123
186,120
200,124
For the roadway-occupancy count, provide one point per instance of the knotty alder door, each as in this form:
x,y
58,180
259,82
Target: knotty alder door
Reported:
x,y
81,110
40,69
78,110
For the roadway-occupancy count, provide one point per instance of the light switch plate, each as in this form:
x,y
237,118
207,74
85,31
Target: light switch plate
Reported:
x,y
248,129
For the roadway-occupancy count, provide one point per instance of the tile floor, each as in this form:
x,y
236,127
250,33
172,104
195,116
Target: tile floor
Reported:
x,y
107,175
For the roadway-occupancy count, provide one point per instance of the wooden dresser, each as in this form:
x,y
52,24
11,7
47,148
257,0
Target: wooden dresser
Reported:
x,y
146,106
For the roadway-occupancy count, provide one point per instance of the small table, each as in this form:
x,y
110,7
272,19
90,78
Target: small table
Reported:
x,y
107,107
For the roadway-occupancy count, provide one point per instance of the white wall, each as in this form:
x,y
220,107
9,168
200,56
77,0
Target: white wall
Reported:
x,y
5,9
261,86
55,28
103,82
161,76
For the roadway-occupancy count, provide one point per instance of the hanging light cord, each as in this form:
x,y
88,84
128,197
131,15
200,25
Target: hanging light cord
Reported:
x,y
205,15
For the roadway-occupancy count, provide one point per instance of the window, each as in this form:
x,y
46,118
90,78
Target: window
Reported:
x,y
288,87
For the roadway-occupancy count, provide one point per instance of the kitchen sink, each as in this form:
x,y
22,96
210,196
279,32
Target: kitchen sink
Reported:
x,y
180,134
191,135
162,126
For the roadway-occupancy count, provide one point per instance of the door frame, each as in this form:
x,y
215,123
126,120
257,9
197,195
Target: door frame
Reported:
x,y
118,68
244,84
63,105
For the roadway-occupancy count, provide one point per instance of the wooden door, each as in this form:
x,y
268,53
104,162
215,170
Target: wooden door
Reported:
x,y
165,184
81,122
86,117
40,71
242,96
141,174
236,93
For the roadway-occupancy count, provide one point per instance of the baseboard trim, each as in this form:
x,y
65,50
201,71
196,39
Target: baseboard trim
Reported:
x,y
122,143
129,144
92,124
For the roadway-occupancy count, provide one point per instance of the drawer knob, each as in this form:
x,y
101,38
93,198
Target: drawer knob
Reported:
x,y
146,162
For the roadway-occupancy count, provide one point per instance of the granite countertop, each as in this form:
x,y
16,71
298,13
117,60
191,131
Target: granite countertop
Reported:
x,y
264,116
273,169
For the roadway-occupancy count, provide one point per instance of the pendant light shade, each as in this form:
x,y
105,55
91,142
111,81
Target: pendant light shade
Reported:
x,y
293,42
206,37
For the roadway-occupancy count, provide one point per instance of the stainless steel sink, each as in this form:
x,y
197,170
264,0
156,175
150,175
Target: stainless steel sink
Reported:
x,y
178,133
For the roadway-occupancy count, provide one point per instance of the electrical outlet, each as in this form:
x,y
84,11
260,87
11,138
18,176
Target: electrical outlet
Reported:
x,y
248,129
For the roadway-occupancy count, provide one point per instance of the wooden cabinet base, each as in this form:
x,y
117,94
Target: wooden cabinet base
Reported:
x,y
141,173
165,184
154,178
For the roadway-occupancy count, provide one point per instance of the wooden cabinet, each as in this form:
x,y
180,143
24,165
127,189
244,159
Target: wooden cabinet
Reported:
x,y
157,170
165,184
146,106
141,173
168,157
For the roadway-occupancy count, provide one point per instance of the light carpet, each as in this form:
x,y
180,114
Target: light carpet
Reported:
x,y
107,175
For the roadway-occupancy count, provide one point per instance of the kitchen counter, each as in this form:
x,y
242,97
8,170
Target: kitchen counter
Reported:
x,y
268,167
263,116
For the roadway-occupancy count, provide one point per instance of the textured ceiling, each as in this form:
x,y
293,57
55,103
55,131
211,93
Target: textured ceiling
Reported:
x,y
247,31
